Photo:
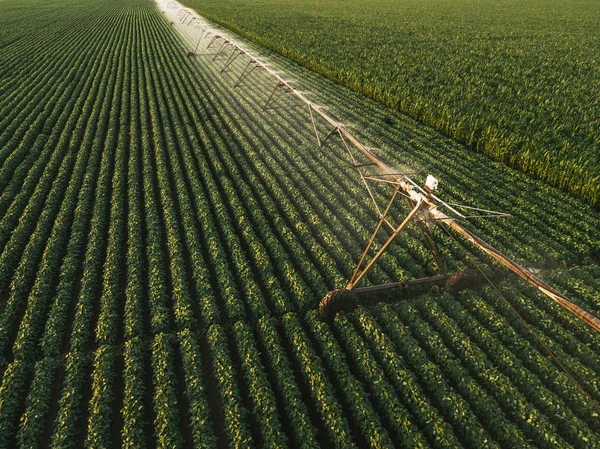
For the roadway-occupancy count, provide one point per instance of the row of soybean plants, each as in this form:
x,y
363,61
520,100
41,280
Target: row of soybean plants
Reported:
x,y
193,172
372,411
553,316
94,111
211,138
348,403
237,409
443,400
531,369
387,416
27,103
515,402
253,414
258,139
27,154
401,411
406,363
341,191
322,397
430,358
111,324
272,403
92,423
235,417
581,284
433,405
31,193
419,246
327,185
167,391
164,227
570,340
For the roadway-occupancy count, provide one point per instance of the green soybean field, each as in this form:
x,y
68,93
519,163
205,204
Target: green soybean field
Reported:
x,y
165,243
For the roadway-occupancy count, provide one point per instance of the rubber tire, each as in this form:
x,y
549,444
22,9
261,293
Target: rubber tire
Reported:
x,y
463,280
335,301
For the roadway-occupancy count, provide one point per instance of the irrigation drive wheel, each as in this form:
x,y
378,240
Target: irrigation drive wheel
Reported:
x,y
336,301
462,280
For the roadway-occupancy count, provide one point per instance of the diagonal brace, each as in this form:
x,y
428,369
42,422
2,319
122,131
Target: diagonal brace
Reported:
x,y
409,217
364,254
252,64
223,46
234,55
275,96
432,245
331,133
214,39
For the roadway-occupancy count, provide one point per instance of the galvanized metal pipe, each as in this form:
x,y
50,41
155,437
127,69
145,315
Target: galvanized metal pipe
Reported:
x,y
399,285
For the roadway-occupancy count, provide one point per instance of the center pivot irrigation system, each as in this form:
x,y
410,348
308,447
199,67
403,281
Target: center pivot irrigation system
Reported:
x,y
425,209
